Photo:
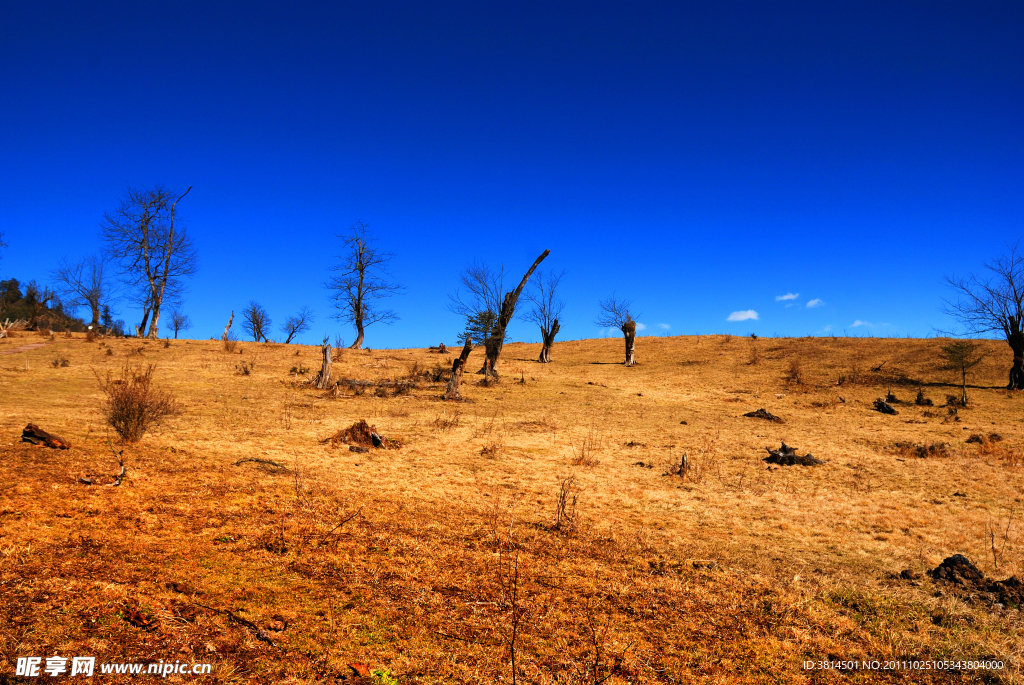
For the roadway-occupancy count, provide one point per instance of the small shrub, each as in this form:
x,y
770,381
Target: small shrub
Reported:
x,y
110,352
132,404
90,335
921,400
167,343
755,352
246,368
445,422
795,372
299,370
60,361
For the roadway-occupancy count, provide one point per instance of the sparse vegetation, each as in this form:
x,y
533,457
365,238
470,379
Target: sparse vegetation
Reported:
x,y
389,558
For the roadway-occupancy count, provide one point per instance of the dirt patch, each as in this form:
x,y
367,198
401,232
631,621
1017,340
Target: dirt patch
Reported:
x,y
23,348
958,571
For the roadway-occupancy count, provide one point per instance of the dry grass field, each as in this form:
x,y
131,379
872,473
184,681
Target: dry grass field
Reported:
x,y
430,561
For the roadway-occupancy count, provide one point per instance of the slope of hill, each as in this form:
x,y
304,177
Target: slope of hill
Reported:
x,y
542,518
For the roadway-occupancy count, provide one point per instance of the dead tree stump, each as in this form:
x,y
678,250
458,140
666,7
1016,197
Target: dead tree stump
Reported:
x,y
629,332
37,436
324,376
458,367
228,327
787,456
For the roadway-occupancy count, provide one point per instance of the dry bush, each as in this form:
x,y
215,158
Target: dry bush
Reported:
x,y
493,448
230,343
445,421
755,353
584,452
132,404
60,361
795,372
565,504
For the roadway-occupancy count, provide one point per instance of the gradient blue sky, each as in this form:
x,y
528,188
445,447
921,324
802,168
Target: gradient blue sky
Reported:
x,y
700,159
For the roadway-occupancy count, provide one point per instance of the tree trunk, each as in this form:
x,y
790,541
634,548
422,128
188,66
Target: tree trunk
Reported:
x,y
153,330
629,331
963,388
142,326
1015,338
95,316
324,377
548,339
175,333
358,344
496,341
458,367
228,327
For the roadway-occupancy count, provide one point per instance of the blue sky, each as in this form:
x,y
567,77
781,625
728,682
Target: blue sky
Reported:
x,y
703,160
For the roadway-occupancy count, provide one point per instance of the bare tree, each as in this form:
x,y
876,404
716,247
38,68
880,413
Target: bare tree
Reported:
x,y
995,305
180,322
256,321
84,284
154,254
297,324
488,313
546,310
362,279
2,243
615,314
960,356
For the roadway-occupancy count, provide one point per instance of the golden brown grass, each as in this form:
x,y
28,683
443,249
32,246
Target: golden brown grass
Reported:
x,y
404,559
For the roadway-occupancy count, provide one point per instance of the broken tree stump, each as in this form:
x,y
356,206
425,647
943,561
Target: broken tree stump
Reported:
x,y
324,376
787,456
762,414
37,436
458,368
884,407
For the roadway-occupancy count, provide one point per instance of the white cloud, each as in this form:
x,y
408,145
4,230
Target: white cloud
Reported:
x,y
828,328
787,296
640,326
858,322
815,303
743,316
664,326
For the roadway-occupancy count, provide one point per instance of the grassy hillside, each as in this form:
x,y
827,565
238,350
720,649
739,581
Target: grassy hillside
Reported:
x,y
424,560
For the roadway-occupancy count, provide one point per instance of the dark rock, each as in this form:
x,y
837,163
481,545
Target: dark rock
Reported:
x,y
762,414
357,448
907,574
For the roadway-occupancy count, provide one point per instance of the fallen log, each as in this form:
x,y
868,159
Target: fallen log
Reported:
x,y
787,456
37,436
